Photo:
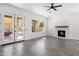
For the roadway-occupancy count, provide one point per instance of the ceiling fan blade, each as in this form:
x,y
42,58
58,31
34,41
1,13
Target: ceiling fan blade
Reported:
x,y
58,6
54,9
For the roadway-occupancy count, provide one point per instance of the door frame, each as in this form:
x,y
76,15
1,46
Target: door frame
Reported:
x,y
3,14
15,17
1,34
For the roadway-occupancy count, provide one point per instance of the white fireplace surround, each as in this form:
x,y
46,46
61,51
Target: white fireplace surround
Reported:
x,y
67,32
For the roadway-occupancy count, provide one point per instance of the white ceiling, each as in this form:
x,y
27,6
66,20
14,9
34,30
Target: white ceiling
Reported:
x,y
40,9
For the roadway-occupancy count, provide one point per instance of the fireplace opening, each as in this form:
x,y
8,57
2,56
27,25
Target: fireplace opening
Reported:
x,y
61,33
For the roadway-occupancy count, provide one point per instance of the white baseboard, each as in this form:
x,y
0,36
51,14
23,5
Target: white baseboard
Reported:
x,y
63,38
59,37
37,38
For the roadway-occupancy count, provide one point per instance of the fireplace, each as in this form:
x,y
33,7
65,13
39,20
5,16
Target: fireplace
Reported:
x,y
61,33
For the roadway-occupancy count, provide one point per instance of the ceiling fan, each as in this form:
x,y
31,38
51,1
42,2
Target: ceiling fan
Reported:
x,y
52,6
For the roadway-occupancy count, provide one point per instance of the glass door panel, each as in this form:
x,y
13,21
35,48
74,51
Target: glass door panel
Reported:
x,y
19,28
8,29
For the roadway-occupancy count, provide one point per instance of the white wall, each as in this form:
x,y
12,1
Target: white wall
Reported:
x,y
28,20
75,25
58,20
71,20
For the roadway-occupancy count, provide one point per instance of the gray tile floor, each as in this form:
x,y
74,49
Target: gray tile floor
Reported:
x,y
42,47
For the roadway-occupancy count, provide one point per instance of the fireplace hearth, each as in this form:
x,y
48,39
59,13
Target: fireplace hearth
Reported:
x,y
61,33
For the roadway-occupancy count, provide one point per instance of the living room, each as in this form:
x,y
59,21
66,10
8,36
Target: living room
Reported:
x,y
26,28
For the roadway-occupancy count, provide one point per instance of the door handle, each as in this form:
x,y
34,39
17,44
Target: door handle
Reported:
x,y
14,26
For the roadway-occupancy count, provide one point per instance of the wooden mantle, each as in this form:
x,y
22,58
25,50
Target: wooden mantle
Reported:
x,y
61,26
